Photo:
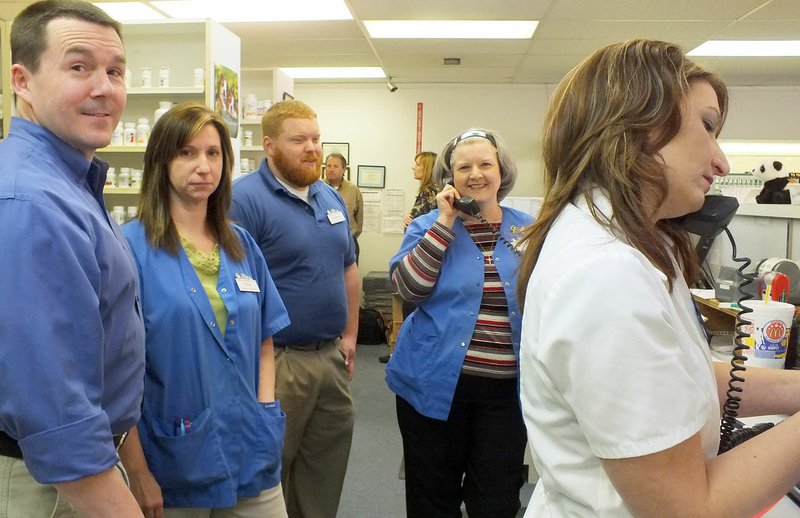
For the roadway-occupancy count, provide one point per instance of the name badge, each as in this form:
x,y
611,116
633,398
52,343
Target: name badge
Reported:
x,y
246,283
335,216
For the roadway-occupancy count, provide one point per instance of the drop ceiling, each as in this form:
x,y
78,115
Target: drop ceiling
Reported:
x,y
568,31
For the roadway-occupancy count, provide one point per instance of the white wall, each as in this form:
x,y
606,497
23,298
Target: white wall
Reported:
x,y
381,129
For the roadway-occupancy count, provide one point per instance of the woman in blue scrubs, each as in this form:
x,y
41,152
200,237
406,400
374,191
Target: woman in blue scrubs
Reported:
x,y
210,439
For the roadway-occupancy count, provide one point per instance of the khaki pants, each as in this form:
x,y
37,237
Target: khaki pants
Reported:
x,y
314,391
22,497
268,504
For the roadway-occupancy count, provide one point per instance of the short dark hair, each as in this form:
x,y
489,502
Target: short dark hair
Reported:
x,y
342,159
172,131
29,29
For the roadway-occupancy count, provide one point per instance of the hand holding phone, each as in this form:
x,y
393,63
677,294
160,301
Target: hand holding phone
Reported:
x,y
466,204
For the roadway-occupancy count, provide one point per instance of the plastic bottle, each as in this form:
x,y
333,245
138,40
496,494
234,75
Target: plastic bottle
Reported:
x,y
250,106
124,177
147,77
116,137
111,177
199,77
163,77
129,134
163,107
142,132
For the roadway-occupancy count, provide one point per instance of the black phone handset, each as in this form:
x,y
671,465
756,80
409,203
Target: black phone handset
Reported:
x,y
470,207
707,223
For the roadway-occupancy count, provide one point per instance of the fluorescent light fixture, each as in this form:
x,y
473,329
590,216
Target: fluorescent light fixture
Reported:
x,y
759,147
334,72
782,48
256,10
453,29
127,11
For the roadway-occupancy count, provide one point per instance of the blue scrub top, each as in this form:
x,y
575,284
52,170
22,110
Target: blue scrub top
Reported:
x,y
232,445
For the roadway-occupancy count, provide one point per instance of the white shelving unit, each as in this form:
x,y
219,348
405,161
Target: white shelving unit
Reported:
x,y
182,46
267,84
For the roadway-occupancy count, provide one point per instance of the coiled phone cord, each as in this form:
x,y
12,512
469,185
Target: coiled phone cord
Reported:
x,y
730,436
497,233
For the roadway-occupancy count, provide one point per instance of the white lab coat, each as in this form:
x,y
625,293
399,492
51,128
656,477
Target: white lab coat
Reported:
x,y
612,365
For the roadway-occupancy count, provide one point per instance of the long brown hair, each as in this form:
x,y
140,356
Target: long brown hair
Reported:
x,y
599,132
426,159
172,131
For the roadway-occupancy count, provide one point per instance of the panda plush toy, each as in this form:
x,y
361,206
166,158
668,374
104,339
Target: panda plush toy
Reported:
x,y
775,177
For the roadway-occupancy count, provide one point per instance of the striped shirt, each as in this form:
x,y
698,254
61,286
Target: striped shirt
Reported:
x,y
490,352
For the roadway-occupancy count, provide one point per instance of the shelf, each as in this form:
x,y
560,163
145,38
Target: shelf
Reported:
x,y
250,122
122,149
169,90
252,148
120,190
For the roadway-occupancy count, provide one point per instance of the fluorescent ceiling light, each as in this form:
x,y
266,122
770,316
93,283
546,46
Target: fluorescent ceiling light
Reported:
x,y
747,48
762,148
334,72
456,29
127,11
256,10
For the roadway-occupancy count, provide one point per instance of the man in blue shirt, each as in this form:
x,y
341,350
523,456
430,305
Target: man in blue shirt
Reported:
x,y
301,226
71,335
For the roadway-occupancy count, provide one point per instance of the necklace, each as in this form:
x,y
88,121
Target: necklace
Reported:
x,y
480,233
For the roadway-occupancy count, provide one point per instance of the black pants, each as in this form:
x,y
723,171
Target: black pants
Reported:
x,y
476,456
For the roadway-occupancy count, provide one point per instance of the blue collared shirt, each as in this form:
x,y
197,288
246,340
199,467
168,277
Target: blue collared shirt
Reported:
x,y
307,248
233,448
71,334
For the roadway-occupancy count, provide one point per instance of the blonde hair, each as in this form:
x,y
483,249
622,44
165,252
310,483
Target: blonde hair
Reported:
x,y
599,132
426,159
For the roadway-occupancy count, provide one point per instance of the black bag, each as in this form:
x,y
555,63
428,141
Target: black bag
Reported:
x,y
372,327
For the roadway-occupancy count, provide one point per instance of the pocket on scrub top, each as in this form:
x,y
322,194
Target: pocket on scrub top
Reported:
x,y
265,458
194,458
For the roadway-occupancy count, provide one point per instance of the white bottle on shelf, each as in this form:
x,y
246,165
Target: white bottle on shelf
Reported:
x,y
124,177
116,137
250,106
163,107
129,134
111,177
142,132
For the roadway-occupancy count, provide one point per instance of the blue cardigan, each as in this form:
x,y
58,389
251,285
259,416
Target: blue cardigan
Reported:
x,y
433,340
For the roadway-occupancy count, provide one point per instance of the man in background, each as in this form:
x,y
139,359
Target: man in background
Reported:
x,y
300,223
71,334
335,167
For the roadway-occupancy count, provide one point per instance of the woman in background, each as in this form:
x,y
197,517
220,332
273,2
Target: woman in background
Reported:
x,y
426,194
454,368
425,202
620,395
211,435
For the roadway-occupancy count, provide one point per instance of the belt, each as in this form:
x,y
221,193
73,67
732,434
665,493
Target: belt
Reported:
x,y
313,346
9,447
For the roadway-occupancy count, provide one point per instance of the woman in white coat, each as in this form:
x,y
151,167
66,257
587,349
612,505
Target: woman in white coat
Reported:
x,y
619,393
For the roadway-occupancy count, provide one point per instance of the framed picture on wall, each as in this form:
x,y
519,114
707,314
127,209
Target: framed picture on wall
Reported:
x,y
371,176
343,148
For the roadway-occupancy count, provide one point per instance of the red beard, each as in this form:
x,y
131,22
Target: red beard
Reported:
x,y
299,175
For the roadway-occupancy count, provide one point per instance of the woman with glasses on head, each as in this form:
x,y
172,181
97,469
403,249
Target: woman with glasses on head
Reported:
x,y
454,367
210,439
